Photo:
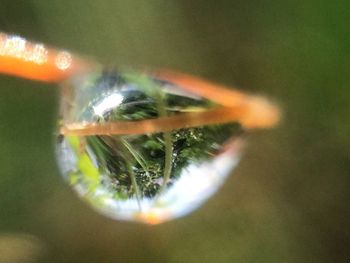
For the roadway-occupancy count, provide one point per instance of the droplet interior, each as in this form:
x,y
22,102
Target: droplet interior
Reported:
x,y
146,177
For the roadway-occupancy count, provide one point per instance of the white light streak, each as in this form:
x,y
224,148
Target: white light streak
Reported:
x,y
108,104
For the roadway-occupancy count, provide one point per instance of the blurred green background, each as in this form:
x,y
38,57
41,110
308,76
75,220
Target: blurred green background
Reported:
x,y
288,199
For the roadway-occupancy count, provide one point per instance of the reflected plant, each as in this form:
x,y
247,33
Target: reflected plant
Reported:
x,y
144,165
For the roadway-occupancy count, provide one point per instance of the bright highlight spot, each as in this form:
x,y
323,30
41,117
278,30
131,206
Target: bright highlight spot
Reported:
x,y
108,104
63,60
18,47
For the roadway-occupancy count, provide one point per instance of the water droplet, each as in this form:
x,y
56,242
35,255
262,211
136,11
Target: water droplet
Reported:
x,y
130,145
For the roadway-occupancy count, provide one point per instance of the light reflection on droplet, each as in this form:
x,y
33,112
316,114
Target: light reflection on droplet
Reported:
x,y
103,169
63,60
107,104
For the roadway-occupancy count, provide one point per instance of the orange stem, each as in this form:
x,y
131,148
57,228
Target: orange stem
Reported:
x,y
21,58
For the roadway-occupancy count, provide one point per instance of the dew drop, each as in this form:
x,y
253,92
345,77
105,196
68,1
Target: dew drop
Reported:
x,y
145,172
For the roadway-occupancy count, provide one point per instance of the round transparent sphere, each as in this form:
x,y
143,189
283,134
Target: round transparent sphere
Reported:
x,y
136,174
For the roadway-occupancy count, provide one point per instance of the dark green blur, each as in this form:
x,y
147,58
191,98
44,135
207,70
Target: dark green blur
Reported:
x,y
288,199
